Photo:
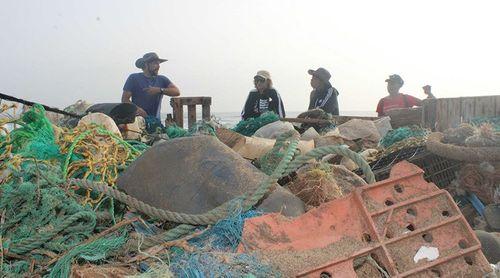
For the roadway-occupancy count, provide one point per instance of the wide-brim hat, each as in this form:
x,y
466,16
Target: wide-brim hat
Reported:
x,y
148,57
322,74
264,74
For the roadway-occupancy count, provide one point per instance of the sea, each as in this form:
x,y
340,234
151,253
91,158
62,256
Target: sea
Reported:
x,y
230,119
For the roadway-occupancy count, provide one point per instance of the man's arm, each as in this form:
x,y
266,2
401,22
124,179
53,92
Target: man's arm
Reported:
x,y
172,91
413,101
380,108
247,111
126,95
277,104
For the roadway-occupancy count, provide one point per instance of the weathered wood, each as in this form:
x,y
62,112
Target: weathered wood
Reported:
x,y
191,115
206,101
429,113
468,106
405,116
195,100
442,114
178,112
454,112
178,103
205,112
485,106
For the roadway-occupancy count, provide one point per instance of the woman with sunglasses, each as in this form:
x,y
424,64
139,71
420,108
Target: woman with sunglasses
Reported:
x,y
263,98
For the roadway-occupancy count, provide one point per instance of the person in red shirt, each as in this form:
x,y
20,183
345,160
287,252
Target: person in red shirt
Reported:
x,y
396,99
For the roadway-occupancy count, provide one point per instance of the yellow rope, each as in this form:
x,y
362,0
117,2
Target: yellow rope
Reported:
x,y
101,154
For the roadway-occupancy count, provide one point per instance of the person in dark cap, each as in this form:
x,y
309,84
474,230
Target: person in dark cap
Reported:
x,y
395,99
146,89
323,95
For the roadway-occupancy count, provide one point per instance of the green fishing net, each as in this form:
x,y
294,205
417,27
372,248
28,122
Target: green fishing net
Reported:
x,y
250,126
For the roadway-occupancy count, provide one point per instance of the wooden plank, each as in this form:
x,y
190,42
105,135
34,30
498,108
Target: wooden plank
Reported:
x,y
454,116
338,120
195,100
191,115
485,106
442,114
205,112
468,106
429,113
206,101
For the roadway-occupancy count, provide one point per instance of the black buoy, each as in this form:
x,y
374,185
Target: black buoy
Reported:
x,y
121,113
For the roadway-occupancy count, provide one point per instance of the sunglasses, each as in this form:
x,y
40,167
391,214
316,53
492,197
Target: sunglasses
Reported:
x,y
259,80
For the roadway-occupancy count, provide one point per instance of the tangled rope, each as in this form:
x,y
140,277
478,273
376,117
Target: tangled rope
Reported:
x,y
211,217
92,152
333,149
208,218
39,239
471,154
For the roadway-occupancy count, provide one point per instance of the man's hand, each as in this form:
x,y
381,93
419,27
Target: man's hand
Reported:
x,y
152,90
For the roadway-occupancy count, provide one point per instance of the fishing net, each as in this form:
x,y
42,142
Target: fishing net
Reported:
x,y
174,131
47,221
153,125
214,255
314,185
494,121
270,160
92,152
34,138
40,218
402,133
93,252
47,225
249,126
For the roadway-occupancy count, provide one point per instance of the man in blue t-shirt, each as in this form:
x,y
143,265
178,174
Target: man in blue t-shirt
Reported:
x,y
146,89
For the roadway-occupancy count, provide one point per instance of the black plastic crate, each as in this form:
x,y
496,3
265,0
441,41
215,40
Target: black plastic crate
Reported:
x,y
437,169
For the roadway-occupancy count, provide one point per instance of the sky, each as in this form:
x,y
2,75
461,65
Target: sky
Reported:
x,y
58,51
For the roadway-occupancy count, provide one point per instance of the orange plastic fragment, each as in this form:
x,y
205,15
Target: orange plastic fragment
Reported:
x,y
404,226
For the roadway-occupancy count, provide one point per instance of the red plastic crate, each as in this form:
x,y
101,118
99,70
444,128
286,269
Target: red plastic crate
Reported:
x,y
390,220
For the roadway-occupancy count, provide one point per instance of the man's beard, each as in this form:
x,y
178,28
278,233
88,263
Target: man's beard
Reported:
x,y
153,72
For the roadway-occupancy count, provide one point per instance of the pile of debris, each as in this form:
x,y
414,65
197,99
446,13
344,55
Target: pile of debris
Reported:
x,y
104,196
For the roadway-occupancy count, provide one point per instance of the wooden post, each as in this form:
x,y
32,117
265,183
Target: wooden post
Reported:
x,y
205,109
191,115
429,113
191,102
178,112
